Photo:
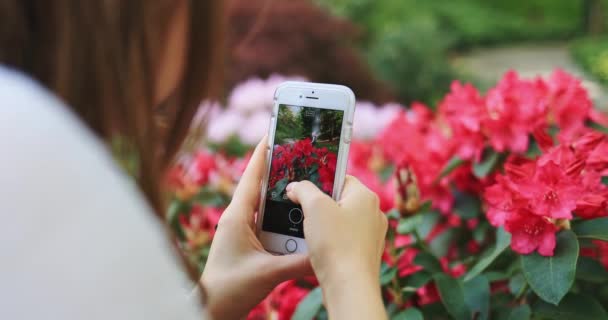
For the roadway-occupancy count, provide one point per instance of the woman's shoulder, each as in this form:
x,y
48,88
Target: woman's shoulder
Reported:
x,y
76,238
28,110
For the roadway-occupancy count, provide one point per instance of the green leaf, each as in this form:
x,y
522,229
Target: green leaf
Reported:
x,y
452,296
428,261
516,283
468,206
441,243
176,209
415,281
493,276
477,297
573,306
429,220
409,224
409,314
309,306
605,180
483,168
387,275
591,270
386,173
393,214
594,229
552,277
454,163
522,312
503,239
598,127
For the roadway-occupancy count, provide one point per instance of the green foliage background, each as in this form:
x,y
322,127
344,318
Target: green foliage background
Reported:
x,y
409,43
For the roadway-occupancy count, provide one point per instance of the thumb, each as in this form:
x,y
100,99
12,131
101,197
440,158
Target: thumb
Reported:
x,y
306,194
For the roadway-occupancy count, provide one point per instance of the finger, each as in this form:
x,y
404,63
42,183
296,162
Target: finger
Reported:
x,y
307,195
292,266
350,184
246,195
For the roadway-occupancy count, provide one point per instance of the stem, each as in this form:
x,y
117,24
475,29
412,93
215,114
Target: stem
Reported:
x,y
420,242
522,291
395,281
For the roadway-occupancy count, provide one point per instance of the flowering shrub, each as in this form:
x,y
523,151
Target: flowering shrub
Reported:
x,y
497,206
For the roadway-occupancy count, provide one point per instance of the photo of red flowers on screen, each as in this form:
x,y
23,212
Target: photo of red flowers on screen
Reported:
x,y
306,147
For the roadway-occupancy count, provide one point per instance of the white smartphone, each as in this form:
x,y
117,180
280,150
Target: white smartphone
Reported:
x,y
309,137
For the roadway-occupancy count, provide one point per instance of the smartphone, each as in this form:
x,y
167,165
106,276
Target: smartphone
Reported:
x,y
309,137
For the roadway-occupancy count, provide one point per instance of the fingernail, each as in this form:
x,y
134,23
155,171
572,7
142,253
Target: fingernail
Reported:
x,y
290,186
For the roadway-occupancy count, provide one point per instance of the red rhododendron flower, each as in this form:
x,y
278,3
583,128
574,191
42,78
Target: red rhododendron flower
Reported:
x,y
414,141
464,110
199,224
515,108
405,264
598,158
501,202
286,298
203,164
530,232
551,192
594,203
569,103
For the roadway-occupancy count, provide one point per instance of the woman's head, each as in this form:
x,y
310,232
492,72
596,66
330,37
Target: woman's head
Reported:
x,y
135,69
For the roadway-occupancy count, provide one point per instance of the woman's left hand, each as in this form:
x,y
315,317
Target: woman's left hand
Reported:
x,y
239,272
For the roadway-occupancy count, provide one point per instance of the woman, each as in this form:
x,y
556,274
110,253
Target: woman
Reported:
x,y
78,240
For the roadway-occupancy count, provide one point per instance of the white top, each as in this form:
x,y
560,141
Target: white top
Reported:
x,y
77,239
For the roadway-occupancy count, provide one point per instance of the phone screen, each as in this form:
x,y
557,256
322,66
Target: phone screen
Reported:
x,y
306,147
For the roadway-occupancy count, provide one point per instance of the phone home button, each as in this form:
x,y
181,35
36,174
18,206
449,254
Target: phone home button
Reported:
x,y
291,245
295,215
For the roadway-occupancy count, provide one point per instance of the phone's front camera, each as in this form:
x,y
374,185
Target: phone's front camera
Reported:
x,y
300,96
313,92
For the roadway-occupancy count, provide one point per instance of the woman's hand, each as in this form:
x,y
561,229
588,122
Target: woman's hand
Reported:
x,y
345,242
239,273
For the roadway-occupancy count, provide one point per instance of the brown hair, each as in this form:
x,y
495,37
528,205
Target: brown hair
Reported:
x,y
103,58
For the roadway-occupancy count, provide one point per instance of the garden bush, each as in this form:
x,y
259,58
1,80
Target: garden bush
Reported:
x,y
592,55
497,206
409,42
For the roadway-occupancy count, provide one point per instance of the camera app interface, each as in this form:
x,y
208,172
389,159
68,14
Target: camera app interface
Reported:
x,y
306,145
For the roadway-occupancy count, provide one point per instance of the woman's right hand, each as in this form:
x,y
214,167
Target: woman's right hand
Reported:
x,y
345,242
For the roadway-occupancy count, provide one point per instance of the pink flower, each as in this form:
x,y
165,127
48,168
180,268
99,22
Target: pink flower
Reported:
x,y
515,108
569,103
464,110
530,232
255,94
286,298
598,158
224,125
199,225
254,127
500,202
371,119
414,140
594,202
203,165
406,265
551,192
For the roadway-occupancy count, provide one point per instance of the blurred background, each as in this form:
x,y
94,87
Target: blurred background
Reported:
x,y
395,52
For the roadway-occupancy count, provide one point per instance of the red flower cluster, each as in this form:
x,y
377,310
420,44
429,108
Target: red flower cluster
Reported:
x,y
513,110
533,198
301,160
419,146
282,301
